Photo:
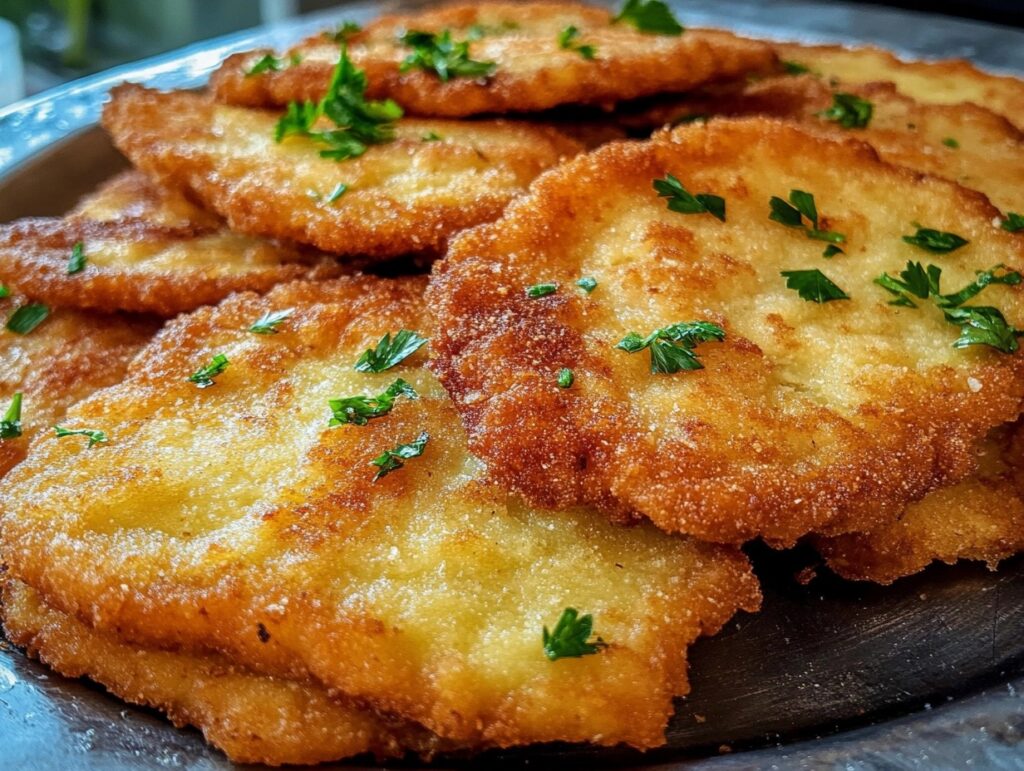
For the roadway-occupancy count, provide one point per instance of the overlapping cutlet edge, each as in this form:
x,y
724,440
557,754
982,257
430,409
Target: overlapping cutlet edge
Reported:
x,y
156,130
556,450
130,195
252,718
698,56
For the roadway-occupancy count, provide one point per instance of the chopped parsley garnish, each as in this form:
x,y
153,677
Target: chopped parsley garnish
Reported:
x,y
588,284
849,111
801,204
390,352
565,378
936,241
681,200
443,56
950,142
567,40
359,410
270,63
10,426
813,286
203,377
5,292
649,16
795,68
1013,223
431,136
359,123
392,460
672,346
571,637
979,325
540,290
27,318
339,190
268,323
344,32
95,437
77,262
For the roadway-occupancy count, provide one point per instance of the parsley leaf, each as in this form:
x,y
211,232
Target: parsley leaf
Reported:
x,y
649,16
359,123
27,318
984,279
672,346
344,32
795,68
567,40
10,426
792,217
390,352
95,437
4,292
813,286
849,111
203,377
442,55
270,63
681,200
571,637
936,241
268,323
950,142
431,136
565,378
392,460
1013,223
588,284
77,262
359,410
540,290
983,325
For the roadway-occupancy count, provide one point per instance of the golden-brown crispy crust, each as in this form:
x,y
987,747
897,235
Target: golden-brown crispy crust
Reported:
x,y
533,72
63,360
422,594
252,718
405,196
987,151
131,196
980,518
944,81
808,417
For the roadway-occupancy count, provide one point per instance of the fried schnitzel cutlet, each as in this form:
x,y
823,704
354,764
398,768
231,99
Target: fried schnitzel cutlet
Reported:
x,y
980,518
57,363
226,514
145,250
732,378
520,57
407,195
964,142
252,718
948,81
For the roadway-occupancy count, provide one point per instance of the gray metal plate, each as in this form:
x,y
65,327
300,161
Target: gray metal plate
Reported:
x,y
835,675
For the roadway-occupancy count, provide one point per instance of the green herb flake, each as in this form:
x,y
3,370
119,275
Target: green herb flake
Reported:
x,y
10,426
672,347
431,136
76,264
392,460
203,377
571,637
565,378
801,205
541,290
649,16
813,286
983,325
446,58
1013,223
344,32
849,111
795,68
390,352
831,251
339,190
95,436
567,40
268,323
4,292
682,201
267,63
359,410
936,241
950,142
588,284
27,318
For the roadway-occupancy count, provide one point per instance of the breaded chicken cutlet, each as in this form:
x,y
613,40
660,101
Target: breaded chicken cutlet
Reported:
x,y
519,57
54,362
737,371
148,250
408,193
948,81
227,513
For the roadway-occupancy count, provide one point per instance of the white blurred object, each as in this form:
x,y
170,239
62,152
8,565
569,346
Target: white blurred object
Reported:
x,y
12,79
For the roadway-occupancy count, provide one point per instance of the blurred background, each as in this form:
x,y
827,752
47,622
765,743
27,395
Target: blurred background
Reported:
x,y
60,40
